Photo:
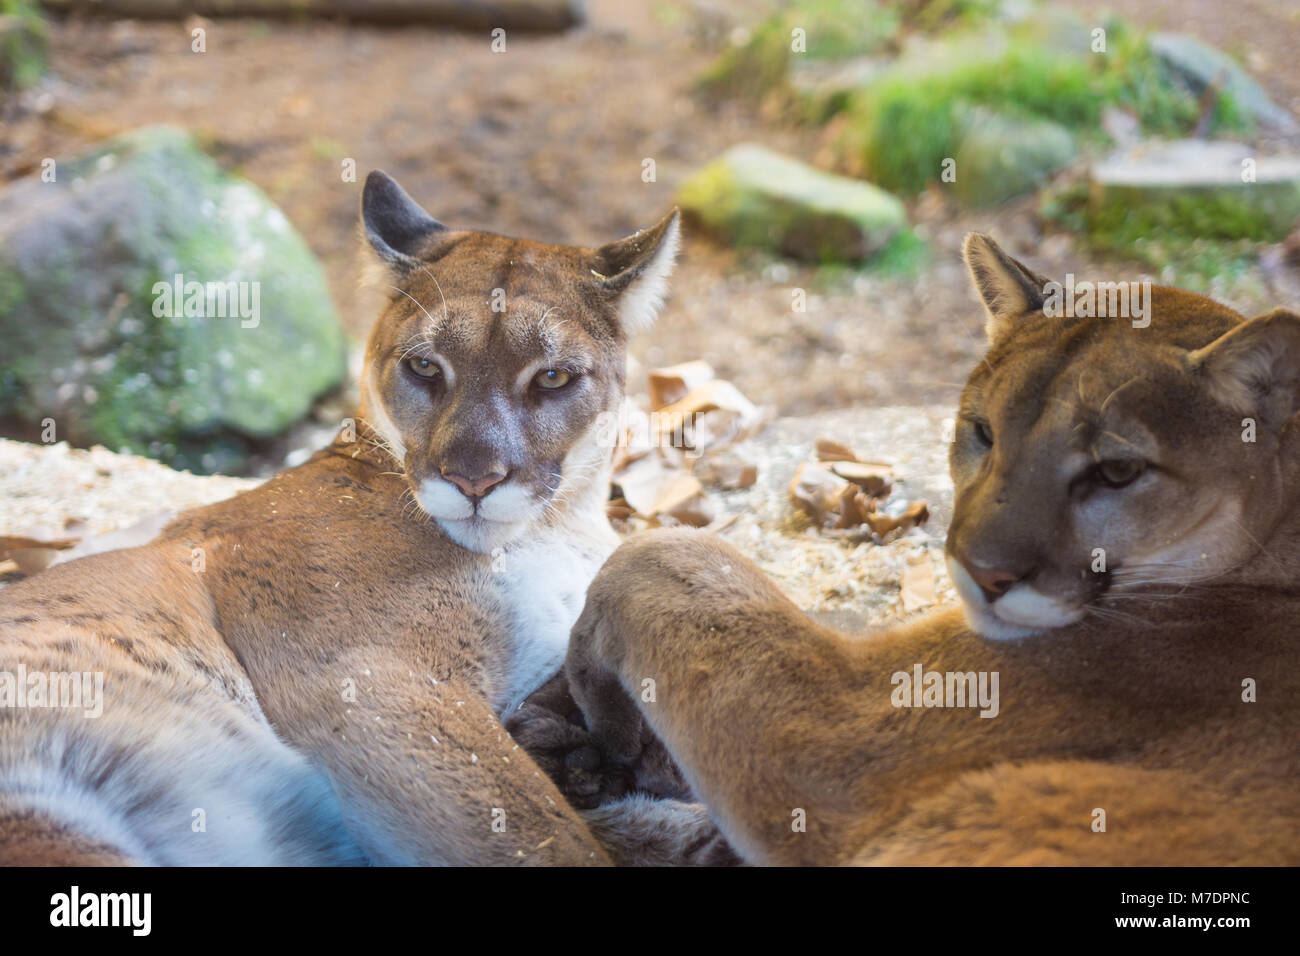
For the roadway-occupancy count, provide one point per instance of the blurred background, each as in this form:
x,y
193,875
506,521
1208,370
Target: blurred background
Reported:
x,y
829,154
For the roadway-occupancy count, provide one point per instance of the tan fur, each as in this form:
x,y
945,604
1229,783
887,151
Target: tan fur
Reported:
x,y
1136,708
327,612
32,839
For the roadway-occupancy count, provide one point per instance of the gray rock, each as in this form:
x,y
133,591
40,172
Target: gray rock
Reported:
x,y
757,198
88,266
1004,156
1198,64
1195,188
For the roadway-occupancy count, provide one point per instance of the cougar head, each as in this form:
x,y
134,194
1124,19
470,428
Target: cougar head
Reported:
x,y
490,368
1105,454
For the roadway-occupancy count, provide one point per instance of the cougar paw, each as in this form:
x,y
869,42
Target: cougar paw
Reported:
x,y
550,729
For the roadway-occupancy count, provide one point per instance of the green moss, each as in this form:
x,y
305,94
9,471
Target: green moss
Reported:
x,y
902,127
322,147
751,70
1207,263
1202,213
1002,156
1137,81
907,255
933,15
23,44
190,389
756,198
831,30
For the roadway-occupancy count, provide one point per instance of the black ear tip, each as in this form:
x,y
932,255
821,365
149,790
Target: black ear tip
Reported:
x,y
378,183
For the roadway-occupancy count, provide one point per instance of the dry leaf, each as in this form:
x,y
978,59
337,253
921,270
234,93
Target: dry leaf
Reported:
x,y
728,472
617,509
696,511
34,551
882,524
639,483
817,492
714,395
635,441
12,543
871,477
672,384
855,507
828,449
675,492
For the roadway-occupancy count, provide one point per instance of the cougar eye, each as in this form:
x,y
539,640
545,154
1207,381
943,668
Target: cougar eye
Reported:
x,y
552,378
1118,472
985,432
423,367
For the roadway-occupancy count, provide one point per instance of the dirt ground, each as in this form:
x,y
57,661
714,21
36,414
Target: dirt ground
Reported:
x,y
547,140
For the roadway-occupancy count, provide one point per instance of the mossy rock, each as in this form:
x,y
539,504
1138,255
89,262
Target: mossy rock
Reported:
x,y
753,197
815,52
898,130
1192,189
806,31
87,267
1003,156
1200,65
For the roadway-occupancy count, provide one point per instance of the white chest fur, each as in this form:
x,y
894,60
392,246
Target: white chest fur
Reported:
x,y
543,583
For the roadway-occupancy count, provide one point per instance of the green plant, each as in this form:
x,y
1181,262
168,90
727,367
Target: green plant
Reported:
x,y
23,40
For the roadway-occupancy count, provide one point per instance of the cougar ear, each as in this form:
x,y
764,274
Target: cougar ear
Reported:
x,y
1255,368
395,225
636,270
1008,288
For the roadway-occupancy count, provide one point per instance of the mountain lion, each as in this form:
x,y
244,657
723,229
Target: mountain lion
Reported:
x,y
1126,546
315,671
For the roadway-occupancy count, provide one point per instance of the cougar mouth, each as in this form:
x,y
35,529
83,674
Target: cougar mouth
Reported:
x,y
480,524
1022,612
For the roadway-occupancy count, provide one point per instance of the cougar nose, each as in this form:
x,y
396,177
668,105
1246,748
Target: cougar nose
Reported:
x,y
475,487
992,582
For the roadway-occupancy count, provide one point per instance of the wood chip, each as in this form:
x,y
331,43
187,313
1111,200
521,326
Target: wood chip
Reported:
x,y
917,588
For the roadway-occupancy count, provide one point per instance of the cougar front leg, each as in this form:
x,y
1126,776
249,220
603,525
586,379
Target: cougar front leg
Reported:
x,y
752,699
429,776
